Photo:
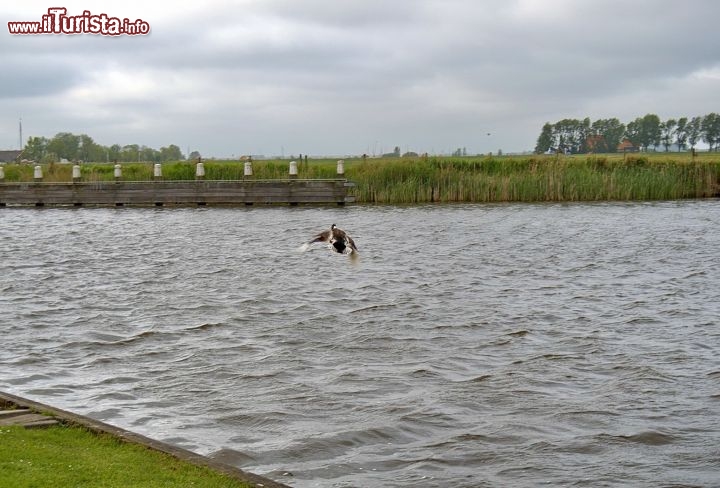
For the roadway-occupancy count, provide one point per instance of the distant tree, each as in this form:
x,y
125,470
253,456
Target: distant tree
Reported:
x,y
65,145
130,153
149,154
170,153
546,139
569,133
614,130
667,133
611,132
562,146
632,132
194,155
563,130
35,149
644,131
605,135
583,135
88,150
694,131
650,132
114,152
710,130
681,133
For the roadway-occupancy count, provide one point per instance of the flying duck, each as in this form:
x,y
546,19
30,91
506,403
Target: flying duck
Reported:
x,y
338,240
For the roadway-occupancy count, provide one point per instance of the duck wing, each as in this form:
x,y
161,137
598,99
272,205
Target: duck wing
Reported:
x,y
321,237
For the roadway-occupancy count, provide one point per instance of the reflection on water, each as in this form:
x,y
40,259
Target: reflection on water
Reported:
x,y
478,345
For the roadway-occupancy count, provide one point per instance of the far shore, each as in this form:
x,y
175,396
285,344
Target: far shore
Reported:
x,y
428,179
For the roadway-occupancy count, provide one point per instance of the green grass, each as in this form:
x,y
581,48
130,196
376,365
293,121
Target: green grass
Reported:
x,y
647,176
74,457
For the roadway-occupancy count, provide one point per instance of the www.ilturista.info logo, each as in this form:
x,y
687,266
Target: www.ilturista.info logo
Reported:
x,y
58,22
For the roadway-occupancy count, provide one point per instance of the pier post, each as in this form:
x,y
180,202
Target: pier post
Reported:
x,y
199,171
117,172
248,169
293,169
76,174
341,168
37,174
157,172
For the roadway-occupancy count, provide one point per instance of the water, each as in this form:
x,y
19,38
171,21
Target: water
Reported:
x,y
471,346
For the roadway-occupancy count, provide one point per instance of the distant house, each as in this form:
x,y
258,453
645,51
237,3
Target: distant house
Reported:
x,y
595,143
9,156
627,146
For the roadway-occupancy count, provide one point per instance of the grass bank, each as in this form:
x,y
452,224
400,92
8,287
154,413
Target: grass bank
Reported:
x,y
73,456
652,176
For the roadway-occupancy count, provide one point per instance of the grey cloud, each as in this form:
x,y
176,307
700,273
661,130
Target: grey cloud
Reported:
x,y
425,72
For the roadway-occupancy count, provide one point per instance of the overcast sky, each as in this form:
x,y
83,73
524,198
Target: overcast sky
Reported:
x,y
341,77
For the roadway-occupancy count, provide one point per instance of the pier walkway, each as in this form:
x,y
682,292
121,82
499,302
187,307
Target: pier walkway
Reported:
x,y
159,193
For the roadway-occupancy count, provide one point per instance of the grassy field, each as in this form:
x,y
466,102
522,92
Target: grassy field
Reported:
x,y
651,176
73,456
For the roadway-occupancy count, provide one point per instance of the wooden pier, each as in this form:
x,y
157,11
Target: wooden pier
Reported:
x,y
290,191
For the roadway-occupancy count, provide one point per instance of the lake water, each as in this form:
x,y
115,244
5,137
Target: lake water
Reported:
x,y
470,346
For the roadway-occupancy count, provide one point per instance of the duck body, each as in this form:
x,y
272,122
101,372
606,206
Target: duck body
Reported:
x,y
339,246
338,240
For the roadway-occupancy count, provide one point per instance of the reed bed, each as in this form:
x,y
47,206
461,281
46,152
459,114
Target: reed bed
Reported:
x,y
535,179
437,179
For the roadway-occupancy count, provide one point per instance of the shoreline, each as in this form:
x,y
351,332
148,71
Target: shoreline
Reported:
x,y
10,401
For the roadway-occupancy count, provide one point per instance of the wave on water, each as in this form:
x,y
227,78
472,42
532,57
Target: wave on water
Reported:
x,y
568,345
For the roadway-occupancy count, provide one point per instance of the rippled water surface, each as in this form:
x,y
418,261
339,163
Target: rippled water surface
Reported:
x,y
481,345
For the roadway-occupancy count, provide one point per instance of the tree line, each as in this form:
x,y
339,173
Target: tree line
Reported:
x,y
607,135
78,148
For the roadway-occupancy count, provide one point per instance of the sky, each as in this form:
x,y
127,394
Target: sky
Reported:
x,y
346,77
